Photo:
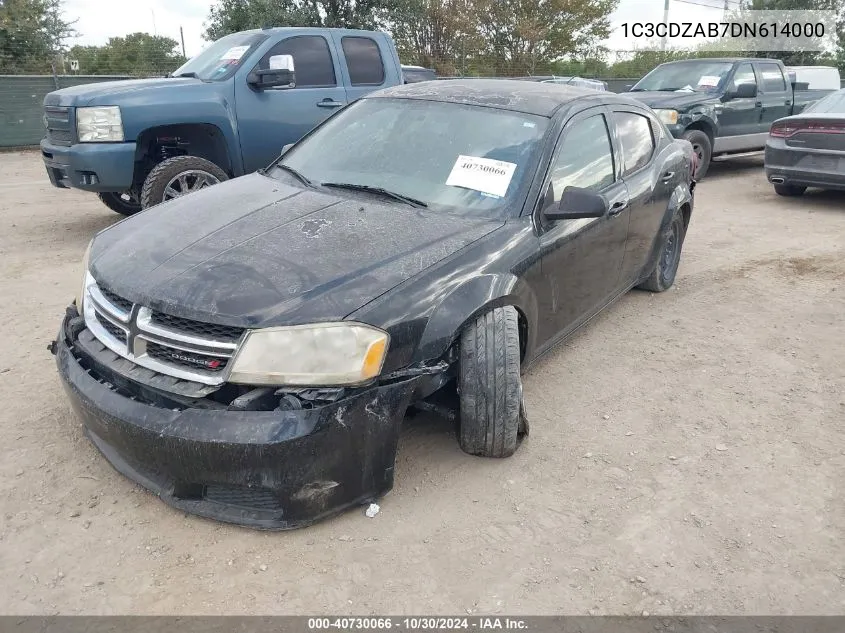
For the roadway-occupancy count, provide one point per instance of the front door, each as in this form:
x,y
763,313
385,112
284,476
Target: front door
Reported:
x,y
582,259
739,116
270,119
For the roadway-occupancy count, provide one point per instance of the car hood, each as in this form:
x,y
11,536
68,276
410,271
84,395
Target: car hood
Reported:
x,y
117,92
254,252
673,100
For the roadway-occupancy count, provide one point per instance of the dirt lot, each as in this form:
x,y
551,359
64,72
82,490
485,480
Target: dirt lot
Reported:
x,y
687,452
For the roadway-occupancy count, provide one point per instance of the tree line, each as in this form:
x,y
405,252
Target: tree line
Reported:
x,y
454,37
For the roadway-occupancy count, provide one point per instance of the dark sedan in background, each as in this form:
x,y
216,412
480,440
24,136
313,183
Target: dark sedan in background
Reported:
x,y
808,149
248,352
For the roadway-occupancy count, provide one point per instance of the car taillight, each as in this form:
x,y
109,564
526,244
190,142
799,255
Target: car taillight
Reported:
x,y
791,128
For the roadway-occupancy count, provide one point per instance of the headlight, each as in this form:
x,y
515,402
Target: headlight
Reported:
x,y
99,124
86,278
670,117
311,355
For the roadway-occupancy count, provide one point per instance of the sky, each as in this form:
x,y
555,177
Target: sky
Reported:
x,y
100,19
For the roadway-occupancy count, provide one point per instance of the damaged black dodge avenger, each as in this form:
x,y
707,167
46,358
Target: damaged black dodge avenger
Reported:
x,y
248,352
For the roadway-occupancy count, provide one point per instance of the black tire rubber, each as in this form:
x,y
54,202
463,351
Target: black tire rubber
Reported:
x,y
701,140
114,201
789,190
663,275
492,412
152,192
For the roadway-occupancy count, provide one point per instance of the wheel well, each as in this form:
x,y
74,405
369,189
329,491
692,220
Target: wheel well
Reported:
x,y
195,139
686,212
704,127
522,323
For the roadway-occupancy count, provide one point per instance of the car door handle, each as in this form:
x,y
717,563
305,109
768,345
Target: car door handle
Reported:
x,y
330,103
617,207
758,104
667,176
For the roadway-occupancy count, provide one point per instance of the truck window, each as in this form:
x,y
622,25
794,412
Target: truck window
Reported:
x,y
636,139
363,60
773,80
744,75
311,58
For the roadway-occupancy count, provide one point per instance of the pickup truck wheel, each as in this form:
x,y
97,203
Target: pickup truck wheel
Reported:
x,y
703,149
122,203
663,275
179,176
789,190
492,411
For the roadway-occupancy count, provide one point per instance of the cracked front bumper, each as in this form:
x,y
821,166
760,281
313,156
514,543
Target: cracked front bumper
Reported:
x,y
263,469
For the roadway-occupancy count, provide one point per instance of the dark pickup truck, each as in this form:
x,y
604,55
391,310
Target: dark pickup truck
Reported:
x,y
227,112
722,106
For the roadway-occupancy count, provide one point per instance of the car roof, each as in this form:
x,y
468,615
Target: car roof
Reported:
x,y
504,94
730,60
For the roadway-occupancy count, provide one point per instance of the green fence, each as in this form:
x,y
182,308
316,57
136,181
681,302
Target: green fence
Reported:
x,y
22,102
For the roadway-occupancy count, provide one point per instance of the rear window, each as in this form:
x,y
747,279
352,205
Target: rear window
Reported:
x,y
363,59
773,80
833,103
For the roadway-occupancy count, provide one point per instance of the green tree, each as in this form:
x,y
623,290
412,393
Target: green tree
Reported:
x,y
32,35
230,16
135,54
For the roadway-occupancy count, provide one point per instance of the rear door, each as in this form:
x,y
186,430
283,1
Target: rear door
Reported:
x,y
366,63
649,184
270,119
581,259
775,94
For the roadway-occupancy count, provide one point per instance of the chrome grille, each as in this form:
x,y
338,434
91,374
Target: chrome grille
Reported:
x,y
185,349
59,126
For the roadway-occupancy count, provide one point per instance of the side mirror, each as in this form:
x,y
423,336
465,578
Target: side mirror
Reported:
x,y
743,91
281,73
576,203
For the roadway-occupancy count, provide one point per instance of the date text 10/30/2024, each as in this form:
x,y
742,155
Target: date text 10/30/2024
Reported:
x,y
417,624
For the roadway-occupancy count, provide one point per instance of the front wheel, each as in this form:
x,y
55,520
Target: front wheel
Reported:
x,y
663,275
122,203
492,415
703,149
179,176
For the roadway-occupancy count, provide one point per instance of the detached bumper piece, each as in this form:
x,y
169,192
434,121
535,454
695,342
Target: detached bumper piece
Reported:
x,y
276,470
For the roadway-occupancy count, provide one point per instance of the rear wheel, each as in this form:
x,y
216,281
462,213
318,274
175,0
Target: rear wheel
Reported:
x,y
123,203
703,149
492,409
789,190
663,275
179,176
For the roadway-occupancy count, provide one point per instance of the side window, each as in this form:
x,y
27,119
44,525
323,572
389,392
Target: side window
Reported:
x,y
773,80
585,159
311,58
364,61
636,139
744,75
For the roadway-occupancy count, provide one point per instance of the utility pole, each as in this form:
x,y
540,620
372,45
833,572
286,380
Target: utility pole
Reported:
x,y
155,30
665,23
182,37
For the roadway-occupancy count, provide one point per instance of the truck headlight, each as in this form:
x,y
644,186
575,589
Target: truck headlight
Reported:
x,y
321,354
86,280
669,117
99,124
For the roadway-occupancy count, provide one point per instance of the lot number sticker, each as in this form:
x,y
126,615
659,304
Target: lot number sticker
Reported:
x,y
235,53
709,81
482,174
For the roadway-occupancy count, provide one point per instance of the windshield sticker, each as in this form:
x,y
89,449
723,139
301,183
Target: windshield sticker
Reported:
x,y
709,81
235,53
482,174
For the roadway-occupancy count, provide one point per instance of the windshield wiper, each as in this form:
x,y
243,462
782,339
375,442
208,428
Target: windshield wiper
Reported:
x,y
293,172
377,190
190,74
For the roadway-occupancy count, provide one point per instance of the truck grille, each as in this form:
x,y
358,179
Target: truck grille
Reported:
x,y
174,346
59,125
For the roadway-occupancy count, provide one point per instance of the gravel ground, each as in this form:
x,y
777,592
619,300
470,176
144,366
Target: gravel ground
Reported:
x,y
687,452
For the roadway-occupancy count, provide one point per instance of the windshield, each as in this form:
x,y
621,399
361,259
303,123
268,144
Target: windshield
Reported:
x,y
458,158
832,103
703,76
220,60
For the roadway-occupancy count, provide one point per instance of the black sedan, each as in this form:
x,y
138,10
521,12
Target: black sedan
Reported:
x,y
808,149
248,352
